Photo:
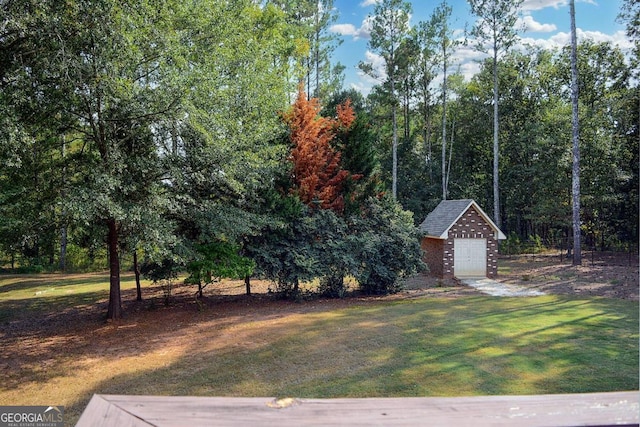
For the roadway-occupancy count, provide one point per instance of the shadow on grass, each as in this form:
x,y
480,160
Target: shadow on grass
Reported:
x,y
359,348
422,348
67,313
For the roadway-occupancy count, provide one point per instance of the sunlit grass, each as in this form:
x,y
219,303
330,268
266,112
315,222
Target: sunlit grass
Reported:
x,y
416,347
13,287
472,346
23,295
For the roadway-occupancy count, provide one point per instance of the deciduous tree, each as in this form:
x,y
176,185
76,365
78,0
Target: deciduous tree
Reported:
x,y
132,85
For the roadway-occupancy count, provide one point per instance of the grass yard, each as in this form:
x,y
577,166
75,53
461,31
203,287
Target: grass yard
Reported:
x,y
57,349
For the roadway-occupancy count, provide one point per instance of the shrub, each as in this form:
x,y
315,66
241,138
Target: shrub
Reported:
x,y
30,269
389,247
162,273
511,246
216,261
335,247
283,250
378,246
79,259
332,286
535,244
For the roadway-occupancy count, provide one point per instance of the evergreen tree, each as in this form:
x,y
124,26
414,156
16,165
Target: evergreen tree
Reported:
x,y
496,25
390,26
357,148
317,175
575,138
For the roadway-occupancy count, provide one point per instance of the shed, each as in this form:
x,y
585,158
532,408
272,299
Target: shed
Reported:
x,y
460,240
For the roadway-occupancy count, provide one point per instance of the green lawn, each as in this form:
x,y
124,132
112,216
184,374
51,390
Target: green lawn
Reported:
x,y
33,294
413,347
426,347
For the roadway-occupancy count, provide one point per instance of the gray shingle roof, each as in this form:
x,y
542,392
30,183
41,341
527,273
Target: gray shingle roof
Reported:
x,y
438,222
443,216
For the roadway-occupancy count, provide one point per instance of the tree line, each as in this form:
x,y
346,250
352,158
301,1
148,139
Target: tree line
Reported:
x,y
167,129
215,137
504,137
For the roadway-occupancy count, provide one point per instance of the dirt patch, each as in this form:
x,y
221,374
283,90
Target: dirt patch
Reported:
x,y
602,274
606,275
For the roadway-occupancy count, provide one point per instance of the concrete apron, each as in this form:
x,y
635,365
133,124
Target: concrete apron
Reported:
x,y
497,289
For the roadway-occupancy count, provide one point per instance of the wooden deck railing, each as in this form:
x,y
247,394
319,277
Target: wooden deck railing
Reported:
x,y
594,409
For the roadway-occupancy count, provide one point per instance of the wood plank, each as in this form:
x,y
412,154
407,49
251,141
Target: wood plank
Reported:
x,y
595,409
102,412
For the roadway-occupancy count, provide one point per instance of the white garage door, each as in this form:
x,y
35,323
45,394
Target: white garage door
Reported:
x,y
470,257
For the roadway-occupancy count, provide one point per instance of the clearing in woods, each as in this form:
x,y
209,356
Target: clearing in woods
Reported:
x,y
435,338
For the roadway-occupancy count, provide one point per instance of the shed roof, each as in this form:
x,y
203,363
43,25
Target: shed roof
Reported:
x,y
447,213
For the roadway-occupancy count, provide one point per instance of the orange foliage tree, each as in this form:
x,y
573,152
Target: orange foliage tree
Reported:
x,y
317,176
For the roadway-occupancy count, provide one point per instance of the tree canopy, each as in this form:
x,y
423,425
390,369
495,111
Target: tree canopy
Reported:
x,y
214,137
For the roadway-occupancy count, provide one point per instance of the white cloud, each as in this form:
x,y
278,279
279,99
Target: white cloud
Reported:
x,y
364,32
528,24
466,53
469,69
542,4
529,5
467,59
378,64
344,29
361,87
365,82
366,3
557,41
562,39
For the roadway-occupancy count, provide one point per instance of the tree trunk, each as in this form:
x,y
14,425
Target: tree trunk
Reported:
x,y
496,157
63,246
444,119
136,271
114,310
426,135
575,175
453,129
63,196
407,114
309,66
317,51
394,148
247,284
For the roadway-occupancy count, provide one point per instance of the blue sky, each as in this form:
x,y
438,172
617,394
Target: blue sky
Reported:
x,y
546,24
